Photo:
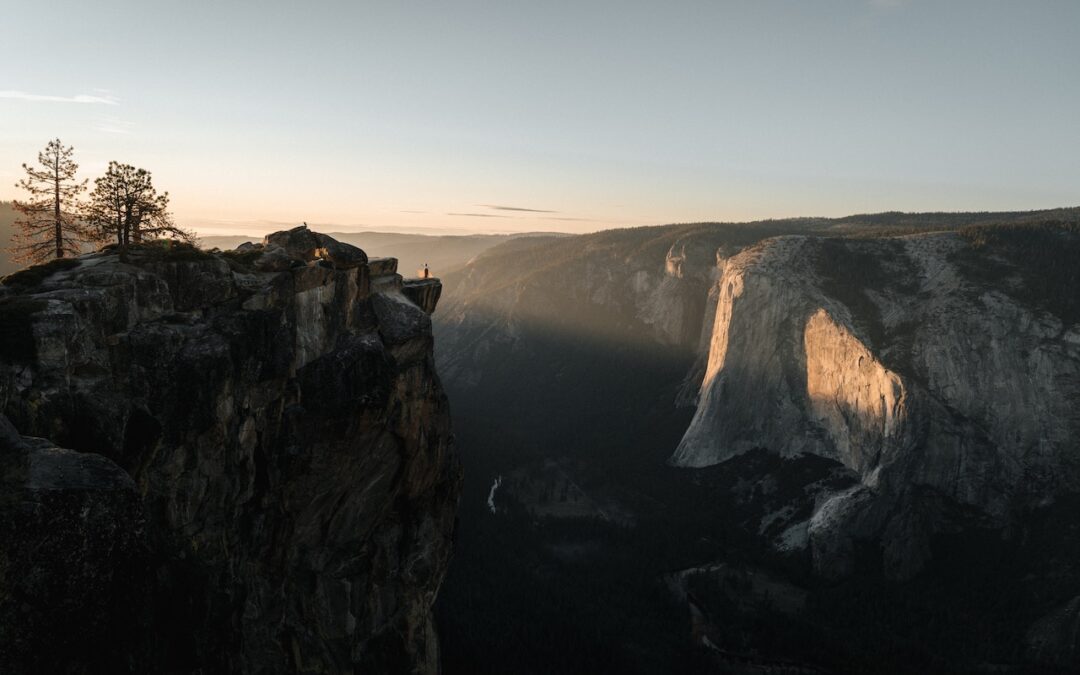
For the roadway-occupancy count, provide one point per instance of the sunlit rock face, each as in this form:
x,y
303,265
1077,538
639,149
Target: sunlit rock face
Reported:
x,y
276,414
749,397
858,402
884,355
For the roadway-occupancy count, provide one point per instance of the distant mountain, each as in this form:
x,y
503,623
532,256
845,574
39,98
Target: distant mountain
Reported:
x,y
7,231
442,254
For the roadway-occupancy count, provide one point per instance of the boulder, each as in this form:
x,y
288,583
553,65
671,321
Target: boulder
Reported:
x,y
299,243
341,255
273,259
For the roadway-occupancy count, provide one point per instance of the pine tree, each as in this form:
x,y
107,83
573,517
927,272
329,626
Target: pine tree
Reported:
x,y
125,207
50,226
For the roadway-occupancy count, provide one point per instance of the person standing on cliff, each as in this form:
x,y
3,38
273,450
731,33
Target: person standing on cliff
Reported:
x,y
427,272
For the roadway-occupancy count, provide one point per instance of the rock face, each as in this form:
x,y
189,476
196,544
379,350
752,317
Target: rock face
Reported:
x,y
72,528
423,292
643,286
274,458
1054,639
887,356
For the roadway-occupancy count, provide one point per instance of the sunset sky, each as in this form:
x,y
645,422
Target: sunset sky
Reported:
x,y
577,116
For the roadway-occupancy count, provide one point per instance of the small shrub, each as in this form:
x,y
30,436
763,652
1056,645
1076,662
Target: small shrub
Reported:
x,y
163,250
244,259
33,276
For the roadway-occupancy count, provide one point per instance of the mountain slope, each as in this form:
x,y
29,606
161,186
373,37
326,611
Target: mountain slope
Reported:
x,y
565,360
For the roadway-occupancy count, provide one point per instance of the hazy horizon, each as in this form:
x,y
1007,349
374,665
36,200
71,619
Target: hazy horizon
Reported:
x,y
512,118
259,228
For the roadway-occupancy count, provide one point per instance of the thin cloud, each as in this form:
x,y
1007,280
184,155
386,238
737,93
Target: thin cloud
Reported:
x,y
112,125
479,215
44,98
515,208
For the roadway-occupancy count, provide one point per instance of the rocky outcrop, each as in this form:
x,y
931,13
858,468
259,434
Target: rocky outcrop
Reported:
x,y
272,452
674,302
424,293
884,355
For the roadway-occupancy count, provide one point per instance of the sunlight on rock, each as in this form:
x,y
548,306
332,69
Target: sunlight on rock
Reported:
x,y
860,403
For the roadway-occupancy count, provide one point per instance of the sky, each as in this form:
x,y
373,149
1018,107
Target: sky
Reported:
x,y
508,115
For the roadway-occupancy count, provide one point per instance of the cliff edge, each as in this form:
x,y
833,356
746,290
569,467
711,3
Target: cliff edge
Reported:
x,y
259,474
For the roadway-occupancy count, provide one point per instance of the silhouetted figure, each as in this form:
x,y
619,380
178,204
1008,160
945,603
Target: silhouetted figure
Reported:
x,y
427,272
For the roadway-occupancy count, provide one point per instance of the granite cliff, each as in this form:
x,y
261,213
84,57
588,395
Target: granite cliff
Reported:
x,y
897,358
594,290
258,473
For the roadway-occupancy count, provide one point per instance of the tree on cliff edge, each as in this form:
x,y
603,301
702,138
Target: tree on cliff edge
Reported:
x,y
49,226
126,208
